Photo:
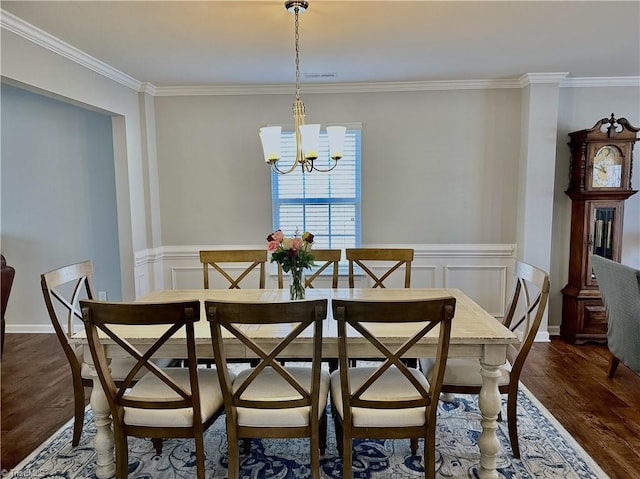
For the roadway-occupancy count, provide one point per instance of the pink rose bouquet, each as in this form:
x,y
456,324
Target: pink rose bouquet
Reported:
x,y
291,253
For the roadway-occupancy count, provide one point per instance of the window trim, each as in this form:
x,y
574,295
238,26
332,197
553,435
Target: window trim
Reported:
x,y
357,126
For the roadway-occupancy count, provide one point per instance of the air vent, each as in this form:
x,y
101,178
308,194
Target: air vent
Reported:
x,y
320,76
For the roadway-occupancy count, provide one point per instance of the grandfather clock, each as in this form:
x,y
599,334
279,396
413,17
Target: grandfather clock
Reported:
x,y
599,183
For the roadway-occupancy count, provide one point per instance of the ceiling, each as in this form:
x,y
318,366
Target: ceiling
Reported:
x,y
184,43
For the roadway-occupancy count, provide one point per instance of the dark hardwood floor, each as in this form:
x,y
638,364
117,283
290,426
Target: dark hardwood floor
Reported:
x,y
37,394
602,414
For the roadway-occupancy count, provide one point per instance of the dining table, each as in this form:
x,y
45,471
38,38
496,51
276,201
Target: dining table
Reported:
x,y
475,333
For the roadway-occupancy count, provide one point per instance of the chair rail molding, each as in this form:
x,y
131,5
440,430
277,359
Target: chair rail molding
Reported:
x,y
483,271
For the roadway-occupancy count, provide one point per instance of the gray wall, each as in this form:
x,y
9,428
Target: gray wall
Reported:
x,y
58,196
438,167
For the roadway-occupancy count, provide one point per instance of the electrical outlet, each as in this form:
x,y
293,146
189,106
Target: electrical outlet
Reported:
x,y
102,295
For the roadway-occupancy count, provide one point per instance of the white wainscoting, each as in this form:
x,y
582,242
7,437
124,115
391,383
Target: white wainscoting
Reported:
x,y
483,271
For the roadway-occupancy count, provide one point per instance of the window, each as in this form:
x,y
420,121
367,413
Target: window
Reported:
x,y
325,204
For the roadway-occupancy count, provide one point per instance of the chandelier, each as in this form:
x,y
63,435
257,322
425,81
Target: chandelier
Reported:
x,y
307,136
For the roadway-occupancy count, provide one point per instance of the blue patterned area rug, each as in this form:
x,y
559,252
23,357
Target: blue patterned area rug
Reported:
x,y
547,451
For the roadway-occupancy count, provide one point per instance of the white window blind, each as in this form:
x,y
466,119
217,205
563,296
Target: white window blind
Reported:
x,y
325,204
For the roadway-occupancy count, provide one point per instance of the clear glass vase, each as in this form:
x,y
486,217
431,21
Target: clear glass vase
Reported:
x,y
296,288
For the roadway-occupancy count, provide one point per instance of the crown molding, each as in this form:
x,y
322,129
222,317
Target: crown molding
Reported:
x,y
601,82
564,82
31,33
394,87
373,87
149,88
537,78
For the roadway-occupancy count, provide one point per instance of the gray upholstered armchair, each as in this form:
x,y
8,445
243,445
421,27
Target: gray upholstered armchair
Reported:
x,y
620,289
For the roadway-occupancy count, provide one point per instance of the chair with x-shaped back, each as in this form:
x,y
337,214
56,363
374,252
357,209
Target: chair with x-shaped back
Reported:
x,y
323,259
164,402
77,279
246,261
370,259
389,400
523,316
63,288
379,264
271,400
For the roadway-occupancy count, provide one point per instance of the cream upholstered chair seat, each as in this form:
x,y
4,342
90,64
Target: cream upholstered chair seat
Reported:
x,y
391,386
270,385
153,389
463,372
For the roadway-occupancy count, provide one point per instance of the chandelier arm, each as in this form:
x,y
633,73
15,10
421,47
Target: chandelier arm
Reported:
x,y
320,170
278,171
307,166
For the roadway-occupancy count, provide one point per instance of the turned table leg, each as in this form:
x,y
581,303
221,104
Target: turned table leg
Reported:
x,y
103,440
489,402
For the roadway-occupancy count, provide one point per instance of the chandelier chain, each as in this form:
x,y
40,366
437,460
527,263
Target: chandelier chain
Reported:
x,y
297,40
309,140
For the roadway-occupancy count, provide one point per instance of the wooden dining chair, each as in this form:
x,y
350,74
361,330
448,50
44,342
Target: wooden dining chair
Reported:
x,y
271,400
389,400
523,316
369,259
323,259
63,288
78,280
165,402
253,259
379,264
244,261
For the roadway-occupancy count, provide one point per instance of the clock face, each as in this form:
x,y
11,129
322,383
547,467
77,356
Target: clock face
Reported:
x,y
607,168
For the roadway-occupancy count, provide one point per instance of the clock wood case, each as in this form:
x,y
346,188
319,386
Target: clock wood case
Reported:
x,y
599,182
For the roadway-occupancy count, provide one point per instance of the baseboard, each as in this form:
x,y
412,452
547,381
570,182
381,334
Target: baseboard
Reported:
x,y
553,330
30,328
542,337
